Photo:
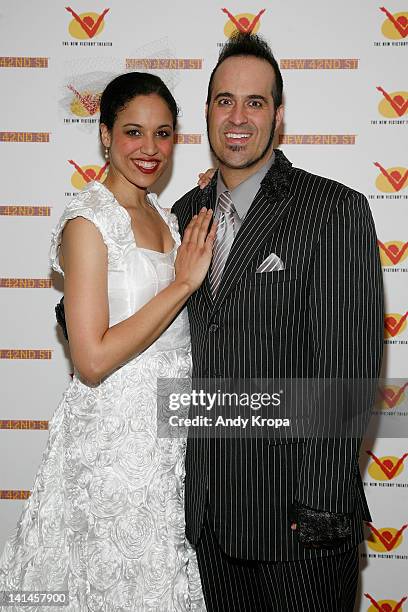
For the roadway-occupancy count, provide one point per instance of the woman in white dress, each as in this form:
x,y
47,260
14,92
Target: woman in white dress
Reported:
x,y
105,520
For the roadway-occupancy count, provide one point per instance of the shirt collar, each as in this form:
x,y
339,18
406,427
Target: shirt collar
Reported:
x,y
243,195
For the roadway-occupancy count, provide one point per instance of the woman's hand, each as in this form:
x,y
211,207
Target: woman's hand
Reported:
x,y
205,177
96,348
195,252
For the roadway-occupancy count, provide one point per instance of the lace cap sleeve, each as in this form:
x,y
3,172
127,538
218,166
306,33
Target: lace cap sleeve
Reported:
x,y
79,207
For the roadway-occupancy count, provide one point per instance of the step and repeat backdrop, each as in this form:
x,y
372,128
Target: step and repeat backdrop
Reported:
x,y
346,97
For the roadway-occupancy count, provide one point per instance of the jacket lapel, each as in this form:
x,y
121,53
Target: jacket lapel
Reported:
x,y
271,203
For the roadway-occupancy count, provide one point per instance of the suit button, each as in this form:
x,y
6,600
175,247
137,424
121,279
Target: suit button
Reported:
x,y
213,328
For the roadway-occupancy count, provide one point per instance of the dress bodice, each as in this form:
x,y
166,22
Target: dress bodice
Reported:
x,y
135,274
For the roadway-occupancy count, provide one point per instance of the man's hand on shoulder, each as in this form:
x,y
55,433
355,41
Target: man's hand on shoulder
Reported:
x,y
205,177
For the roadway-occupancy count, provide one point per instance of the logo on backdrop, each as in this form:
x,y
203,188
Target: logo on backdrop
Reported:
x,y
187,138
385,539
14,210
85,174
25,354
391,181
84,103
395,324
391,396
81,90
25,283
385,605
317,139
395,27
15,424
321,63
243,22
160,57
84,27
391,401
393,104
387,467
81,105
14,494
23,62
393,253
24,136
164,63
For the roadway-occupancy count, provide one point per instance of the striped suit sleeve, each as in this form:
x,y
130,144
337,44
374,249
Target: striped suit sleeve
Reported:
x,y
346,321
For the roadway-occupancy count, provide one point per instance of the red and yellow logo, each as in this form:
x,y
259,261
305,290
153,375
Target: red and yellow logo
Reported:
x,y
391,396
387,467
385,539
394,104
392,179
243,22
85,174
395,26
86,25
393,253
395,324
85,103
385,605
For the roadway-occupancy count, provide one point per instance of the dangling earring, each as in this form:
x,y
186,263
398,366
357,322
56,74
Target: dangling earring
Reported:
x,y
106,153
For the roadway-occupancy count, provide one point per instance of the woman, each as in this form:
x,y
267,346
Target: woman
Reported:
x,y
105,519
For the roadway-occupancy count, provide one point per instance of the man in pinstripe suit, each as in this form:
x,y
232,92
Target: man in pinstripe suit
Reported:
x,y
294,292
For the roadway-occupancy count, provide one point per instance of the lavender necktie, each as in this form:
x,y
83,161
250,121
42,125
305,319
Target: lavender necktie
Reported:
x,y
223,240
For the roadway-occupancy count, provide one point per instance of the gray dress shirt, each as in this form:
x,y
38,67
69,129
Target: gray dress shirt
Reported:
x,y
243,195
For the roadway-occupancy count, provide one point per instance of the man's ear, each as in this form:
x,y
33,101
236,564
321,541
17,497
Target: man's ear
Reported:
x,y
105,135
279,116
206,111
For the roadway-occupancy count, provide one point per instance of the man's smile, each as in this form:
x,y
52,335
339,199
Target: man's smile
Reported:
x,y
237,140
237,135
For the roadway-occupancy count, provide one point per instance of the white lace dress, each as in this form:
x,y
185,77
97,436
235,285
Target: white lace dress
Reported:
x,y
105,520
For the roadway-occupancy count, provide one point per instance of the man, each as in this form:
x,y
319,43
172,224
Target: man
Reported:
x,y
294,291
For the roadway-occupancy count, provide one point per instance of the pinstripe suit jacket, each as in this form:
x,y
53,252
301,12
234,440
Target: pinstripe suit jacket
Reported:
x,y
322,316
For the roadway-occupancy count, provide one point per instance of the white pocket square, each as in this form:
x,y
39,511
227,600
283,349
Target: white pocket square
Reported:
x,y
272,263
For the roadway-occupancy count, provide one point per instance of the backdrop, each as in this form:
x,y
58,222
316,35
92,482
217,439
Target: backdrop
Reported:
x,y
346,117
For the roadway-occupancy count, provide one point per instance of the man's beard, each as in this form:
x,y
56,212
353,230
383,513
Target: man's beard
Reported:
x,y
238,148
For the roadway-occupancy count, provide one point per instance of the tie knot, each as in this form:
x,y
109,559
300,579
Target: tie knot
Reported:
x,y
225,203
